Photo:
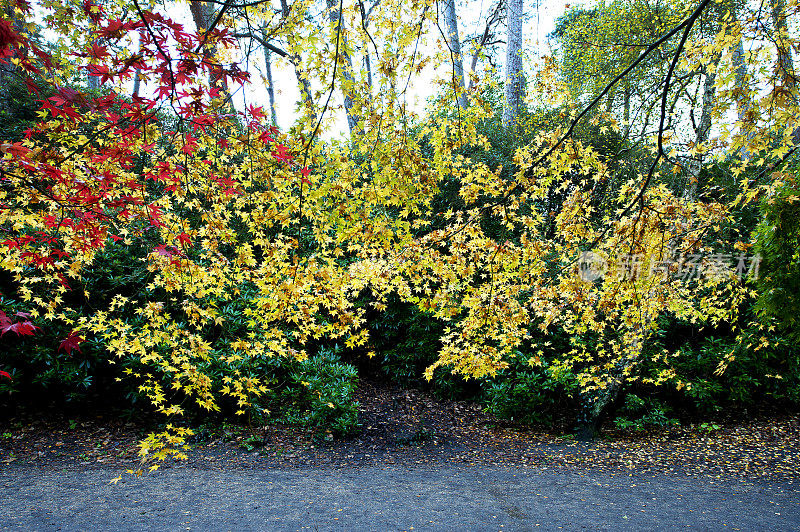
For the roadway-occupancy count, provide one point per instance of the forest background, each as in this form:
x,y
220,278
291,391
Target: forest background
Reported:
x,y
610,232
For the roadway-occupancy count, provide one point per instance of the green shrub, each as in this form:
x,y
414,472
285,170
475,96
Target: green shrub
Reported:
x,y
321,394
641,414
761,366
528,394
42,371
778,243
406,341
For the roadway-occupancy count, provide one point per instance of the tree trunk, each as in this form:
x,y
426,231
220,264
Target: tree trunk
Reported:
x,y
785,61
595,407
454,42
348,80
743,101
610,99
515,82
365,14
704,127
203,16
302,80
305,86
270,86
138,72
368,68
785,65
702,131
626,106
93,82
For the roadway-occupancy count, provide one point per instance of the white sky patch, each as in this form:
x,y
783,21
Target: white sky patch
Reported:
x,y
472,17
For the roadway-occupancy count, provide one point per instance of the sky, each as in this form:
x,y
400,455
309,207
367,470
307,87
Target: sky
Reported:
x,y
472,15
540,22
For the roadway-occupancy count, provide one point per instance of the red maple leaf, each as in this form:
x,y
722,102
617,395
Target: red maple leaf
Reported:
x,y
112,30
16,149
282,153
155,215
257,111
184,239
266,137
190,145
71,343
98,52
32,87
92,10
168,251
22,328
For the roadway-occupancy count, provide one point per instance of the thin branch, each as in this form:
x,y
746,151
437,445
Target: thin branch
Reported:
x,y
207,31
689,21
262,42
687,24
321,115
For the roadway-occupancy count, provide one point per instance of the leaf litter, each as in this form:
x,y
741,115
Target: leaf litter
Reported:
x,y
407,427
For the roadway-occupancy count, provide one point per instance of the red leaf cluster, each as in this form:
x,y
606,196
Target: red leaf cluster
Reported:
x,y
70,343
8,38
22,327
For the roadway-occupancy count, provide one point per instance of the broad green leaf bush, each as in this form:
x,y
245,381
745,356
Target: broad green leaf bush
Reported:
x,y
320,392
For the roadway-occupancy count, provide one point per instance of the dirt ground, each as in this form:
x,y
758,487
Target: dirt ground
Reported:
x,y
410,427
417,464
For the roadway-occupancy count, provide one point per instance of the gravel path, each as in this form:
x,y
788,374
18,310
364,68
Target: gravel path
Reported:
x,y
450,497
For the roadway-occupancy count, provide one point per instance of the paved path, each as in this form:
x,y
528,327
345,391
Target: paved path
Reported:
x,y
382,498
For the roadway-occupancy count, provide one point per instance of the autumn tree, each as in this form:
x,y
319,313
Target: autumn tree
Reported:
x,y
514,76
597,44
258,246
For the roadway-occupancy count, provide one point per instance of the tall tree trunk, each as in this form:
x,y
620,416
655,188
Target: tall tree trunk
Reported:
x,y
365,14
136,84
785,61
515,82
93,82
304,84
348,80
743,104
270,86
610,99
474,63
709,92
626,108
454,42
302,81
203,15
138,72
702,131
368,68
